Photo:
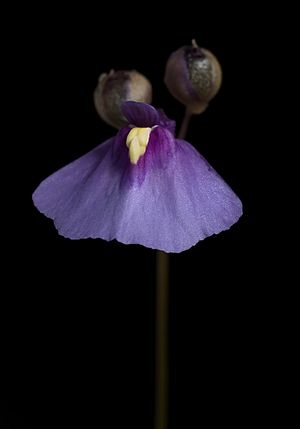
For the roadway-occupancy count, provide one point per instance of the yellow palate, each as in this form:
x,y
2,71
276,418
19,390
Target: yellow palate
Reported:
x,y
136,142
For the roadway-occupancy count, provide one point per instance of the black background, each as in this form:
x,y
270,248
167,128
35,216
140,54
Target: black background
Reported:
x,y
78,317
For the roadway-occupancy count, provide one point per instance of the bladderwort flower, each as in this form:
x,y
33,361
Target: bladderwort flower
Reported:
x,y
142,186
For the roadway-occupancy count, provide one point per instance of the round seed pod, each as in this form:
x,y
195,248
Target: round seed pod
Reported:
x,y
193,76
116,87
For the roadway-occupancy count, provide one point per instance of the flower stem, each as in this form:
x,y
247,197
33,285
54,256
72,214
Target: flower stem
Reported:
x,y
185,124
161,325
161,335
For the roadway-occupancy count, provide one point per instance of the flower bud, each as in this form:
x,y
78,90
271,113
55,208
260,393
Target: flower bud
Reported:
x,y
193,76
116,87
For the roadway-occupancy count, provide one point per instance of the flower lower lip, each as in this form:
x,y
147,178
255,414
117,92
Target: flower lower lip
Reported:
x,y
169,201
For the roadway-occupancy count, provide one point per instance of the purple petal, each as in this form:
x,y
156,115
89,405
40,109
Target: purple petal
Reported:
x,y
71,192
165,122
160,149
169,201
140,114
180,201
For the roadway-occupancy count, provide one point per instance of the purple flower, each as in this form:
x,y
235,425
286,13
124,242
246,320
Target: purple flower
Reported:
x,y
141,187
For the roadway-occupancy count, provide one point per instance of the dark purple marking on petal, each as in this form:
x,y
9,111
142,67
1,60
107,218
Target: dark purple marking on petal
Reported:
x,y
160,148
140,114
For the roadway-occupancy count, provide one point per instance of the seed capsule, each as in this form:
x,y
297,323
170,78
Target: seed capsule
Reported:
x,y
116,87
193,76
